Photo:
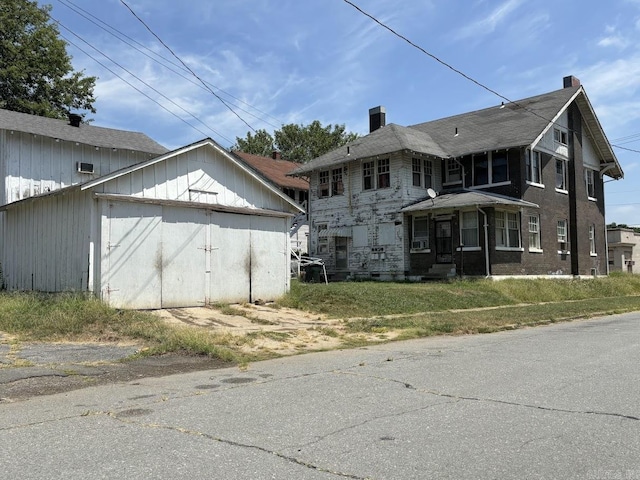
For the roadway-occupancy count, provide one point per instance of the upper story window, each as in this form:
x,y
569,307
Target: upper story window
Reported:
x,y
507,230
422,172
452,171
384,173
560,136
323,184
367,175
561,175
532,162
489,168
337,187
590,183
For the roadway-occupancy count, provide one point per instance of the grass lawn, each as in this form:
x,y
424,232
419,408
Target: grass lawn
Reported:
x,y
368,312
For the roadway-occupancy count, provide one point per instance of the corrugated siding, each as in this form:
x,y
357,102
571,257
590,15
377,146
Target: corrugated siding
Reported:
x,y
47,244
34,164
198,175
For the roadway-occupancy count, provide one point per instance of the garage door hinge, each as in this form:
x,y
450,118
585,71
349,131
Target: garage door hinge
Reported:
x,y
112,245
208,248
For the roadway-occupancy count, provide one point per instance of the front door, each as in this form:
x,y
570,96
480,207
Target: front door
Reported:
x,y
444,243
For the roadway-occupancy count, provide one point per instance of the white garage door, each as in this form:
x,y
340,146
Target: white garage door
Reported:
x,y
163,257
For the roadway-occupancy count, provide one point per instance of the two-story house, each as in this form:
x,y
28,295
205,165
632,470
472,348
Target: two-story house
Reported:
x,y
514,189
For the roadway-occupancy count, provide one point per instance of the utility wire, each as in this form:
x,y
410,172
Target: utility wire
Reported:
x,y
459,72
186,66
140,80
160,59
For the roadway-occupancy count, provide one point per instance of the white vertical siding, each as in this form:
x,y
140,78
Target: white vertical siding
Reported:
x,y
46,244
34,164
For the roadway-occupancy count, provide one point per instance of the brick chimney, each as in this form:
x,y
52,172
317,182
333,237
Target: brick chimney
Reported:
x,y
276,155
570,81
377,118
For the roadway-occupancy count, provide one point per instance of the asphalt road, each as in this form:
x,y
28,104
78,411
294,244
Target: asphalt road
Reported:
x,y
553,402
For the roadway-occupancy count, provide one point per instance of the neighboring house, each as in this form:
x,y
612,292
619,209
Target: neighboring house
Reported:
x,y
277,171
163,229
515,189
624,250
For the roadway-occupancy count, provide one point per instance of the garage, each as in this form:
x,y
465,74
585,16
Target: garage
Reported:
x,y
189,228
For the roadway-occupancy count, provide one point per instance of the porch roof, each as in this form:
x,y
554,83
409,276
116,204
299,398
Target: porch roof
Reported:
x,y
466,198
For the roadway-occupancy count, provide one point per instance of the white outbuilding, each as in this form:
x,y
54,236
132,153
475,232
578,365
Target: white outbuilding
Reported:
x,y
187,228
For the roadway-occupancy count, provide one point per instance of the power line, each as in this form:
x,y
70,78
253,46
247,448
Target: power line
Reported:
x,y
186,66
139,79
459,72
160,59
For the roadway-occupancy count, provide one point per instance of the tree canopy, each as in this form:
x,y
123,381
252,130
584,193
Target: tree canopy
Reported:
x,y
296,143
36,75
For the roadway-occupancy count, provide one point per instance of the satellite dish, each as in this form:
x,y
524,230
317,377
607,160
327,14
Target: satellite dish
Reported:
x,y
431,192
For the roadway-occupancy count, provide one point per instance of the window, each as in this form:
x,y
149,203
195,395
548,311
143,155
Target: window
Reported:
x,y
341,252
323,184
560,136
561,175
563,236
507,230
384,173
416,168
323,238
469,229
337,187
420,237
590,182
499,167
428,174
592,239
534,232
533,166
453,171
367,175
489,168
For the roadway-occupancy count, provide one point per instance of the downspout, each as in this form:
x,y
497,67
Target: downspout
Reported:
x,y
486,242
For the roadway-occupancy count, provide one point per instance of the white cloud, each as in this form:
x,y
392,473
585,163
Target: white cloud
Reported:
x,y
488,24
613,39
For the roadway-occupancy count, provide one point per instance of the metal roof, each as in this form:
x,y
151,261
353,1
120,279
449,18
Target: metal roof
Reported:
x,y
466,198
86,134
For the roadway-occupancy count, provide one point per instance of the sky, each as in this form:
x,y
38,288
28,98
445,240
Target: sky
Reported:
x,y
245,65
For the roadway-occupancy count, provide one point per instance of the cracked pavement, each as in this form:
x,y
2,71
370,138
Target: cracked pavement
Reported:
x,y
559,401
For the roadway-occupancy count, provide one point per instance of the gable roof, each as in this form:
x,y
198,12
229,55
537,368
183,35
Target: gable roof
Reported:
x,y
516,124
205,143
85,133
385,140
275,170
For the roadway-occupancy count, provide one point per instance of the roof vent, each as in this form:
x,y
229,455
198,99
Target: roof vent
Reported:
x,y
75,119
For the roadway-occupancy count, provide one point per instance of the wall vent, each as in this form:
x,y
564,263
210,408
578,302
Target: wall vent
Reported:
x,y
84,167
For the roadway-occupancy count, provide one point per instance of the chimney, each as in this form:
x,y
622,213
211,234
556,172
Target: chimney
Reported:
x,y
377,118
75,119
570,81
276,155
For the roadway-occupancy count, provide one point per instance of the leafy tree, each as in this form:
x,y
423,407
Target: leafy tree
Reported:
x,y
36,75
296,143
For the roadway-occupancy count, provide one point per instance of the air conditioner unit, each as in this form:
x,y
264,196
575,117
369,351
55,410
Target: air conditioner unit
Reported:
x,y
84,167
418,244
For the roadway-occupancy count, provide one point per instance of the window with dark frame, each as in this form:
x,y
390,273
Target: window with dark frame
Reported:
x,y
533,167
453,171
499,167
560,136
563,235
561,174
384,173
337,186
590,182
367,175
469,229
428,174
416,170
420,234
507,229
592,239
323,184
